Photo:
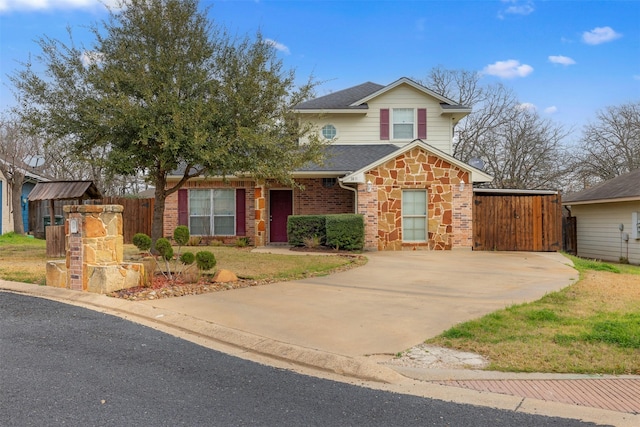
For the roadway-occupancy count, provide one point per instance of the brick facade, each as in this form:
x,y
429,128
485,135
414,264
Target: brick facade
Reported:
x,y
449,198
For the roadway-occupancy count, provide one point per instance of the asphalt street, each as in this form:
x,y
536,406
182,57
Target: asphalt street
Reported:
x,y
65,365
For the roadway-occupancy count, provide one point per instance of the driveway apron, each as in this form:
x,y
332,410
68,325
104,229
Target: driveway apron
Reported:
x,y
396,301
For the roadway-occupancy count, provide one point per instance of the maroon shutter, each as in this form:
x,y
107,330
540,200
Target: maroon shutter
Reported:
x,y
422,123
183,207
384,123
241,229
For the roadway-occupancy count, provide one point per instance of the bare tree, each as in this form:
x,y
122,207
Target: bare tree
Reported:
x,y
15,146
610,146
518,147
525,153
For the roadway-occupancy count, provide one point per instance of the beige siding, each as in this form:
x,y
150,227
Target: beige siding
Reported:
x,y
598,232
7,219
364,128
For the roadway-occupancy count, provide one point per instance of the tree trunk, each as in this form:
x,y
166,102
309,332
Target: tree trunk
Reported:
x,y
16,182
157,225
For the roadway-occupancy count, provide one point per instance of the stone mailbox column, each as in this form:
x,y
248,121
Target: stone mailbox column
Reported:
x,y
94,241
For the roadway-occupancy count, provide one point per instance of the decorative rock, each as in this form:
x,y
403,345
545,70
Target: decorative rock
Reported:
x,y
225,276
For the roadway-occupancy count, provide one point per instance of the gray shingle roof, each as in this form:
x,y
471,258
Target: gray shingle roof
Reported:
x,y
342,99
622,187
350,158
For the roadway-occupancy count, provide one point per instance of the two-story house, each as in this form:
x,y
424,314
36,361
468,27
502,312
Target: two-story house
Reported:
x,y
389,160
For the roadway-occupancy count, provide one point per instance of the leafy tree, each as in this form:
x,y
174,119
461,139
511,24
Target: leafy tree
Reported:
x,y
162,90
518,148
610,145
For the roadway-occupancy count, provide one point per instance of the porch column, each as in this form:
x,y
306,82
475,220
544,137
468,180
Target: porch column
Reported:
x,y
260,214
368,207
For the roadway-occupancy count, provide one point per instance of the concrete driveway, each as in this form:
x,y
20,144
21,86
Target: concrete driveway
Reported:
x,y
393,303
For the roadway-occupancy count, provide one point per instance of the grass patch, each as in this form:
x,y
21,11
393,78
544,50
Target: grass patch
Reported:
x,y
592,326
23,259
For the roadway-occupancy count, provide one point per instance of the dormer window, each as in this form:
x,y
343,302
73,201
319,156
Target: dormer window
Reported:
x,y
403,120
329,131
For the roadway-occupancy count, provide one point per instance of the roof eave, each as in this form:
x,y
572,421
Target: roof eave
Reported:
x,y
333,111
597,201
475,175
398,82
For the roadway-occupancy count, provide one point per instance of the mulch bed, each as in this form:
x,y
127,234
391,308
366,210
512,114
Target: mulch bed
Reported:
x,y
164,288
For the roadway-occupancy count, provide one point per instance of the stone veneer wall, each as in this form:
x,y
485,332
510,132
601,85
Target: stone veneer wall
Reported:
x,y
98,240
449,206
94,244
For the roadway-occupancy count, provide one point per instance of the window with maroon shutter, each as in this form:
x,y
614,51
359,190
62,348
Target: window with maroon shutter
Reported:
x,y
422,123
241,229
183,207
384,123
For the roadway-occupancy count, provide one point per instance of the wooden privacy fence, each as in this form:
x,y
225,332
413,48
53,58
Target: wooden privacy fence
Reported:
x,y
517,221
136,217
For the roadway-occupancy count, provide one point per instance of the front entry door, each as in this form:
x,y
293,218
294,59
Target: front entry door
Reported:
x,y
280,207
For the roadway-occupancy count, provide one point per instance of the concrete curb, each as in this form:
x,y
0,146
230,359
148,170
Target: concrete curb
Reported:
x,y
396,379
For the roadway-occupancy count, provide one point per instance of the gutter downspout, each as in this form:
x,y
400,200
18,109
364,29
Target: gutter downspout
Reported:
x,y
355,192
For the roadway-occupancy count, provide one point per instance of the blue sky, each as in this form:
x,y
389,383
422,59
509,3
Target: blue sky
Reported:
x,y
568,59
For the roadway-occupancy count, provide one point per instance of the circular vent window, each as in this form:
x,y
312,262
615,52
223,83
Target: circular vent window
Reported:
x,y
329,131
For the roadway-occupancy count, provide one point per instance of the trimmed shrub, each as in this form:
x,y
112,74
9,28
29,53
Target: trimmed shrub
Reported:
x,y
187,258
181,235
345,231
301,227
142,242
163,246
205,260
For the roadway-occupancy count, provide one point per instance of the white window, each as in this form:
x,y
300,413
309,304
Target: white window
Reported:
x,y
329,131
212,212
414,215
403,123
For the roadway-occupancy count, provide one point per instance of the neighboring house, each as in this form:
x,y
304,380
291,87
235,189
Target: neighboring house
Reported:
x,y
389,160
608,219
6,210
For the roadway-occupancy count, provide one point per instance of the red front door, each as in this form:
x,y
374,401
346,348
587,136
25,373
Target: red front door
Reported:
x,y
280,207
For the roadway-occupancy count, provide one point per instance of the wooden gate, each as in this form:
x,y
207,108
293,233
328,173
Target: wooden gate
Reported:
x,y
517,221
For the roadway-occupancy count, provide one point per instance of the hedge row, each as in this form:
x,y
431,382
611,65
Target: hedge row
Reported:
x,y
342,231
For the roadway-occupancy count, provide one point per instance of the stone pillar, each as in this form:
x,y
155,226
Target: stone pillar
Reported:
x,y
260,204
94,237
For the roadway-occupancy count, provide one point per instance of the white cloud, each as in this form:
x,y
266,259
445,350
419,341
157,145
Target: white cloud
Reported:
x,y
508,69
527,106
562,60
551,110
600,35
35,5
278,46
516,7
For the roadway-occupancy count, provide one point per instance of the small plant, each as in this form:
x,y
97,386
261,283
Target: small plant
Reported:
x,y
242,242
312,242
194,240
